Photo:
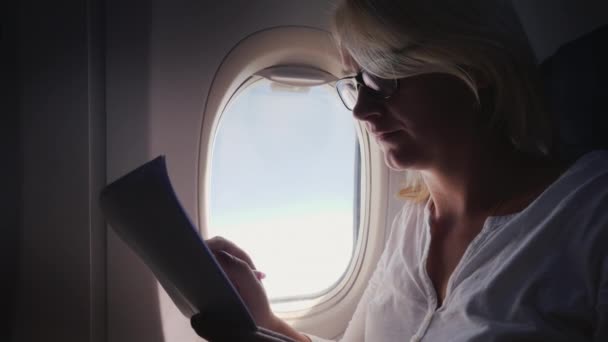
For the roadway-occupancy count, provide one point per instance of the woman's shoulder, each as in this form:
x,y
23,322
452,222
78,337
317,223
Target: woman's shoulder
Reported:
x,y
579,196
593,161
589,173
588,170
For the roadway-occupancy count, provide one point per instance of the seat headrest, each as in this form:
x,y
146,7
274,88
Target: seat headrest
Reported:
x,y
576,86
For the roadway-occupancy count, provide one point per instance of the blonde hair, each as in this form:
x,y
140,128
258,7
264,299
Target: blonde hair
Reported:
x,y
480,42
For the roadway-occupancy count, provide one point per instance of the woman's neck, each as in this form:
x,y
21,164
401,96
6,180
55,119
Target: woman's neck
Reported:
x,y
486,183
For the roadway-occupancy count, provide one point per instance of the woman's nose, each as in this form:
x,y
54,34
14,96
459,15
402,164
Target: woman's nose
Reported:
x,y
365,108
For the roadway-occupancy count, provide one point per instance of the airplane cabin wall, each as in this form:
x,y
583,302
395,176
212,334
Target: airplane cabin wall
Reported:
x,y
10,172
60,292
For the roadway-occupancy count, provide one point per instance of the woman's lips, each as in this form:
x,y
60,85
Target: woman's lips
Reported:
x,y
386,135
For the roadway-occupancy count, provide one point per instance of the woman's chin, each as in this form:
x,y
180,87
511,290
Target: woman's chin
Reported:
x,y
399,160
394,163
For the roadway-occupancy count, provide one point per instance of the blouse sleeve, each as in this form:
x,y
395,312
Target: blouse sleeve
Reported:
x,y
355,331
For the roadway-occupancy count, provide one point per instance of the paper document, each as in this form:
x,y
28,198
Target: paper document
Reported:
x,y
143,210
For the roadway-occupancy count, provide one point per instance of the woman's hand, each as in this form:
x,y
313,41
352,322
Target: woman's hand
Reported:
x,y
246,279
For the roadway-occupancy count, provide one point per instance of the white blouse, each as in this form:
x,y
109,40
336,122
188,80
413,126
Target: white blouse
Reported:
x,y
537,275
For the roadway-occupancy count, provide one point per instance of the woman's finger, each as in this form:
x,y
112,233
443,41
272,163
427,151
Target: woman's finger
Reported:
x,y
219,243
249,287
238,271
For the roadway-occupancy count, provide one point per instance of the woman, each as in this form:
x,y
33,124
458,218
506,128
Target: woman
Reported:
x,y
497,241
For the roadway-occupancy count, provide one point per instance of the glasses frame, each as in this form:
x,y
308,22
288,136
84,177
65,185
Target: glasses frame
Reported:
x,y
360,83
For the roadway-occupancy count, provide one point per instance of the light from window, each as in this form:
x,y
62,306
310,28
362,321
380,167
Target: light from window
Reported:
x,y
283,185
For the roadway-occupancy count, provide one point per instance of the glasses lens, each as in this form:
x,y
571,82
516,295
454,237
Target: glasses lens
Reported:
x,y
382,86
347,90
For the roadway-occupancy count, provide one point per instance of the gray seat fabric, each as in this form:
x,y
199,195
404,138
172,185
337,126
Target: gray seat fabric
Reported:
x,y
576,86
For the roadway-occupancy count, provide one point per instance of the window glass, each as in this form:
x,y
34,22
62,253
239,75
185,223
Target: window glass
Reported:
x,y
284,183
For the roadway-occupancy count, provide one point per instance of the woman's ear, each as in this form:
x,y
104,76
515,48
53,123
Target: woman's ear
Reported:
x,y
349,65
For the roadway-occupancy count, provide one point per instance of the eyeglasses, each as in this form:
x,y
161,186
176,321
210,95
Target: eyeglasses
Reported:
x,y
381,88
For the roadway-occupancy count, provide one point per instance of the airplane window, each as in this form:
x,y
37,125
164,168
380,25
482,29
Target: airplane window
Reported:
x,y
284,186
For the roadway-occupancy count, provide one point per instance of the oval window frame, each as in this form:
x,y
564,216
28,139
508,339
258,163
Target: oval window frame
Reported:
x,y
315,49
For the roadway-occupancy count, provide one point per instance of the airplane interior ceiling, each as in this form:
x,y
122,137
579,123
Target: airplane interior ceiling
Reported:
x,y
108,85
